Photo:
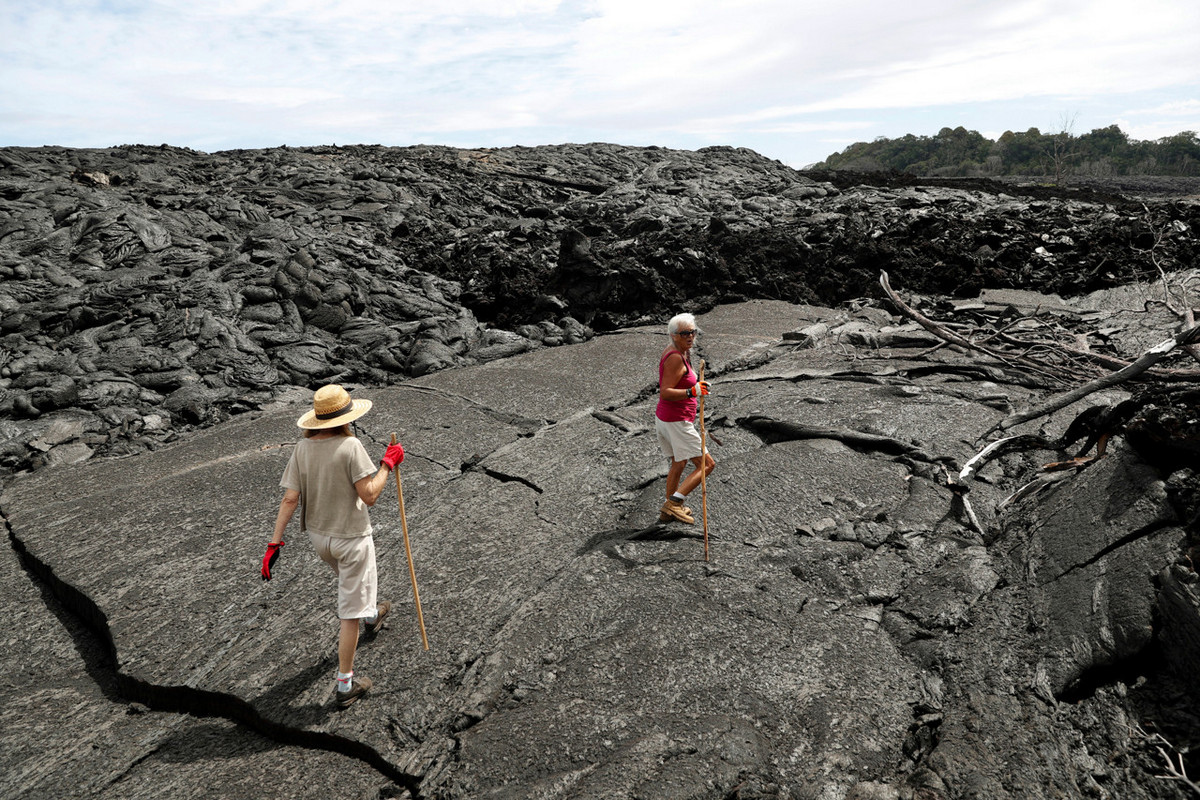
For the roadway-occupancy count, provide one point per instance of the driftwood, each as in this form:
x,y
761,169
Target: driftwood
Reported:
x,y
1175,766
994,450
1112,362
1034,486
1066,369
1066,362
942,332
1182,308
1148,359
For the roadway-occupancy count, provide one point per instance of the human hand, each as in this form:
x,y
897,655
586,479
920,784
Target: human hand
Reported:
x,y
698,389
269,559
393,456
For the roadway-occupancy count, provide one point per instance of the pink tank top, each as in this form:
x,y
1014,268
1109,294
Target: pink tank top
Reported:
x,y
677,410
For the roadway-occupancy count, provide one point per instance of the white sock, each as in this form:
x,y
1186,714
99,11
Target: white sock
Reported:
x,y
678,498
371,620
345,680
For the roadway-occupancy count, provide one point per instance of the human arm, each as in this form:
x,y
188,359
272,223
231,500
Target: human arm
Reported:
x,y
672,373
370,487
287,508
361,474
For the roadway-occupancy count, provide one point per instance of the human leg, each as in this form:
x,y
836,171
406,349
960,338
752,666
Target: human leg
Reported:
x,y
356,571
693,479
679,442
375,624
347,645
674,474
673,508
349,687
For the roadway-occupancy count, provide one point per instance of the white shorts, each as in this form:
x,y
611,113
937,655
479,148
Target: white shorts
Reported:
x,y
354,562
679,440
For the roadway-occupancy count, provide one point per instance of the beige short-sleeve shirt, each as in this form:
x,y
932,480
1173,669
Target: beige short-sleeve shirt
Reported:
x,y
324,471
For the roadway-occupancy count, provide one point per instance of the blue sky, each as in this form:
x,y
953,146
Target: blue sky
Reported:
x,y
795,80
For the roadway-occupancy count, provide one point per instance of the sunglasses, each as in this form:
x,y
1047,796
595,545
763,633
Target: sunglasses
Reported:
x,y
692,332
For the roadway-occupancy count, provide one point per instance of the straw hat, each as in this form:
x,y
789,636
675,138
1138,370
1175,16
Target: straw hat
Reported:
x,y
332,407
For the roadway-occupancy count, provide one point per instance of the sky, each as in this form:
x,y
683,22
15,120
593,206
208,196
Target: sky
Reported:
x,y
795,80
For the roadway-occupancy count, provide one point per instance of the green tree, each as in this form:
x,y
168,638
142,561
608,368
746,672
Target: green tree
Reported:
x,y
958,151
1179,154
1021,153
1105,151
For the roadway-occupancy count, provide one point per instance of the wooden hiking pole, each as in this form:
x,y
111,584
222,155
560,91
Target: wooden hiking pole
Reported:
x,y
408,551
703,469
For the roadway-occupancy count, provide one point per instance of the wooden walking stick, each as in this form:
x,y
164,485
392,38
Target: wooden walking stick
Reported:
x,y
703,468
408,550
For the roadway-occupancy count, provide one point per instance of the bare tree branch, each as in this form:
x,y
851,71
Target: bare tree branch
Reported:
x,y
1177,773
928,324
995,450
1113,362
947,335
1143,363
1186,338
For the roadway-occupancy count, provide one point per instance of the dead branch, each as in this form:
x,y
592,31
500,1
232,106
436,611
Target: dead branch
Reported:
x,y
1175,772
1033,487
944,333
1112,362
1003,330
1183,309
1074,356
995,450
937,330
1143,363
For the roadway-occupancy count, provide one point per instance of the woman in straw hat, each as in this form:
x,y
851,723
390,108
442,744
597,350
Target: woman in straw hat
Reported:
x,y
332,480
675,419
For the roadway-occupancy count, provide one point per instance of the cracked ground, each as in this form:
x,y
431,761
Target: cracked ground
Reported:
x,y
850,634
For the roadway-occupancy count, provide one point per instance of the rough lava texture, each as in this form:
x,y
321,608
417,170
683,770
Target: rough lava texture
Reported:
x,y
853,634
148,291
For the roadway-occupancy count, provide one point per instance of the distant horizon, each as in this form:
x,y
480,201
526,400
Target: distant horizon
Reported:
x,y
1073,134
794,80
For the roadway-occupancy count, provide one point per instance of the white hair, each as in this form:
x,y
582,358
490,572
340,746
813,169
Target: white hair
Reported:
x,y
680,319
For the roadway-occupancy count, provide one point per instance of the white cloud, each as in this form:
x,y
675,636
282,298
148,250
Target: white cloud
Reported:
x,y
1149,131
1101,48
1179,108
779,73
266,96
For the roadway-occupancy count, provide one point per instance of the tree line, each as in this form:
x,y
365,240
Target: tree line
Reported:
x,y
958,152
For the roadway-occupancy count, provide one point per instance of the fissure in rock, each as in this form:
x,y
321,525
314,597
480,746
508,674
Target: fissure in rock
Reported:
x,y
119,687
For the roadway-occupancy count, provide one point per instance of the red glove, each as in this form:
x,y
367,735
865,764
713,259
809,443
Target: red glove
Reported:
x,y
699,388
269,559
393,456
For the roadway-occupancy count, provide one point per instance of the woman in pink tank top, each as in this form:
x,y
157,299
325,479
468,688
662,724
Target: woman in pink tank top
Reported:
x,y
675,418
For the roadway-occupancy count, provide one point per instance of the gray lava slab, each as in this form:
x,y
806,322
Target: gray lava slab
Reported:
x,y
69,733
557,382
1097,590
743,331
1076,596
578,647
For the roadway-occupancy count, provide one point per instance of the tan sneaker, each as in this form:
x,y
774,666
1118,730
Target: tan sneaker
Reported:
x,y
358,687
674,510
381,610
667,516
